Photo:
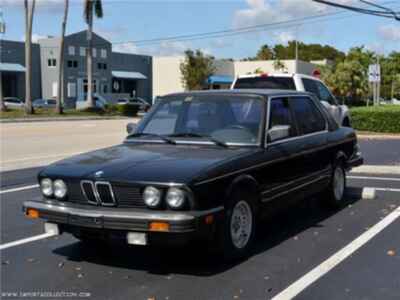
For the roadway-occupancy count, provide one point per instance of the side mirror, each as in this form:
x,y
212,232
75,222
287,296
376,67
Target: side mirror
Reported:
x,y
131,127
278,132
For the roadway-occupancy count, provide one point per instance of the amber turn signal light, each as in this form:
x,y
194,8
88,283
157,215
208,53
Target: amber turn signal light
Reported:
x,y
209,219
32,213
159,226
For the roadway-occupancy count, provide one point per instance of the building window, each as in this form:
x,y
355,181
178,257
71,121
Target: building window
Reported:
x,y
103,53
71,50
101,66
52,62
94,52
105,89
72,64
82,51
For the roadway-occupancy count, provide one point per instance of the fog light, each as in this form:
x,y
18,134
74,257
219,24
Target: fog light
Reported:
x,y
136,238
159,226
51,228
32,213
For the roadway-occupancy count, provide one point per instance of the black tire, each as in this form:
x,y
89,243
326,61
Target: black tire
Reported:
x,y
226,245
334,195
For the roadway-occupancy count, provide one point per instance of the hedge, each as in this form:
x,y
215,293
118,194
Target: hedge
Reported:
x,y
384,118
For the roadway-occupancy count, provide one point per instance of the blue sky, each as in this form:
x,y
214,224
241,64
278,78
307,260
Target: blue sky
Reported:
x,y
131,20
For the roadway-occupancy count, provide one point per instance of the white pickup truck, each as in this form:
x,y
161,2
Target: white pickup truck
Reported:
x,y
299,82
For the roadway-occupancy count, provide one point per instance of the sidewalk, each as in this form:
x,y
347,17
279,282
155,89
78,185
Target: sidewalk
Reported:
x,y
63,119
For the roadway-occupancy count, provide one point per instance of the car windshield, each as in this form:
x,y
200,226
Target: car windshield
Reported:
x,y
230,119
265,82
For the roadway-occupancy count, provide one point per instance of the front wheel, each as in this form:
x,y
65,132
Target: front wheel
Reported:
x,y
337,186
238,229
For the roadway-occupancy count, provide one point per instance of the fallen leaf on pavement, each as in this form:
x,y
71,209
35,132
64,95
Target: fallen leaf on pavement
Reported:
x,y
391,253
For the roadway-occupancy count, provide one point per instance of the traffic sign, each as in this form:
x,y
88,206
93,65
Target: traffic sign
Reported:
x,y
374,73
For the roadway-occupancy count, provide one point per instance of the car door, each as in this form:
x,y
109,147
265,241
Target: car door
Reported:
x,y
287,166
313,133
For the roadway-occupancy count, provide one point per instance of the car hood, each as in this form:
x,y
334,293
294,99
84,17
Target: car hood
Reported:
x,y
136,162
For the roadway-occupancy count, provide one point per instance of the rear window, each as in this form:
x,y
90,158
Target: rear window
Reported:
x,y
275,83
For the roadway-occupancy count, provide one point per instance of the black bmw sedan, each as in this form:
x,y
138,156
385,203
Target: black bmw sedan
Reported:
x,y
201,166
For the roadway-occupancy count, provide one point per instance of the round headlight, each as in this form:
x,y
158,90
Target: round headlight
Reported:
x,y
60,189
152,196
175,197
46,185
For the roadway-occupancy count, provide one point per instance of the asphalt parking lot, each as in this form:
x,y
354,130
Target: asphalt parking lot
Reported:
x,y
308,252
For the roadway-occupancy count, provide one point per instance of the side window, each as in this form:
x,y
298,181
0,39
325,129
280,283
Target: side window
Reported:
x,y
311,86
280,115
324,93
309,118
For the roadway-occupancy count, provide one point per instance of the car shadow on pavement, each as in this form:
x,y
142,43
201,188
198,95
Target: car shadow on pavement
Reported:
x,y
196,259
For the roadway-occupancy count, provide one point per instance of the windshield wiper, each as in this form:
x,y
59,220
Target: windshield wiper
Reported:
x,y
192,134
161,137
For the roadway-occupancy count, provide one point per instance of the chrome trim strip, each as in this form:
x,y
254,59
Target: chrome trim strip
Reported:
x,y
296,180
182,142
271,162
111,191
293,189
94,192
98,213
297,137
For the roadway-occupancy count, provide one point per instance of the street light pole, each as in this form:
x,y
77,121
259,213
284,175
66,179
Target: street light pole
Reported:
x,y
2,32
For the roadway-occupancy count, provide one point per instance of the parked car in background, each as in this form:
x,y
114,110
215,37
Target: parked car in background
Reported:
x,y
100,102
395,101
143,105
13,103
44,103
201,166
298,82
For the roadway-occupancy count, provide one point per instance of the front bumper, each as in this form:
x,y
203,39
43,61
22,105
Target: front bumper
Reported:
x,y
355,161
79,219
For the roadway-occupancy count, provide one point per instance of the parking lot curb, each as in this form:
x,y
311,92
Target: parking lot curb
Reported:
x,y
382,136
361,193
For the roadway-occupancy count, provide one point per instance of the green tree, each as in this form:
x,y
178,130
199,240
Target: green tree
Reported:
x,y
196,68
265,53
349,80
91,8
279,65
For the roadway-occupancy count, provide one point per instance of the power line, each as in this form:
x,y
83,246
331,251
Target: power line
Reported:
x,y
383,12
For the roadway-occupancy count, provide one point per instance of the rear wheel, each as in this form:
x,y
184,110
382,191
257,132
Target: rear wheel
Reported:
x,y
337,185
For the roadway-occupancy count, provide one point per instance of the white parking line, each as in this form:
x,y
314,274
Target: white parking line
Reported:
x,y
377,169
22,188
27,240
374,178
387,190
301,284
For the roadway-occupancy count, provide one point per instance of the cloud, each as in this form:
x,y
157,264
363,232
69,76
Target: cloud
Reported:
x,y
35,37
389,33
264,12
285,36
163,49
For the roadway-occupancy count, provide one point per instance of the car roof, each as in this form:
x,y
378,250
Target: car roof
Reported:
x,y
286,75
260,92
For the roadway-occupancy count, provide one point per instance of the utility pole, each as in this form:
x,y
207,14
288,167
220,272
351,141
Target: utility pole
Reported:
x,y
2,32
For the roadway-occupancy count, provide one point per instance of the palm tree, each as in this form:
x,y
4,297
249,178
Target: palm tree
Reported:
x,y
60,92
91,7
29,11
